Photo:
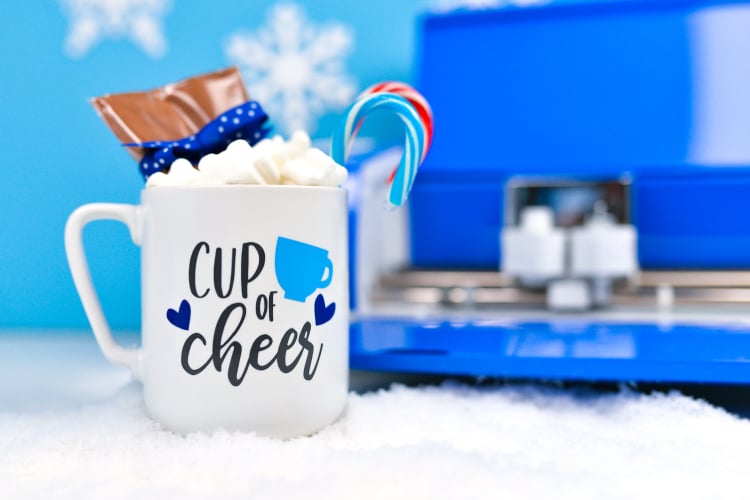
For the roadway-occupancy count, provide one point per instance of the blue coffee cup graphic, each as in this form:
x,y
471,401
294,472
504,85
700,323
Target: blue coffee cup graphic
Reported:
x,y
301,268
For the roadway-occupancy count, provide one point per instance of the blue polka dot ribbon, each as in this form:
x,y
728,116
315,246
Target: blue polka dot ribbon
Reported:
x,y
246,121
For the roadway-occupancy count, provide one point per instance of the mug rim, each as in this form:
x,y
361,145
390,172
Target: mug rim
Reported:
x,y
241,190
223,187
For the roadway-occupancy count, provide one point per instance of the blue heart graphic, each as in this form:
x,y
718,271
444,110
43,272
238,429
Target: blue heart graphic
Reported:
x,y
180,318
323,312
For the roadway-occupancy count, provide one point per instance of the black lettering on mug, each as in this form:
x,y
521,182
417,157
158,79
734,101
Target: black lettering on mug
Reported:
x,y
252,261
186,354
261,306
192,267
264,305
245,265
218,278
225,346
304,341
287,342
220,348
271,304
219,344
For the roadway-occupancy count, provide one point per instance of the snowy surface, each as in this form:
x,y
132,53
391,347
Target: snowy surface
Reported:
x,y
73,427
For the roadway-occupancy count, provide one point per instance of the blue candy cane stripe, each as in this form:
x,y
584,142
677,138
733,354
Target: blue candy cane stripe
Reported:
x,y
414,143
413,153
405,172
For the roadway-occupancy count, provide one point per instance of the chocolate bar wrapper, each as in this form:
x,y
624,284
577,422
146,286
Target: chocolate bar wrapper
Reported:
x,y
172,111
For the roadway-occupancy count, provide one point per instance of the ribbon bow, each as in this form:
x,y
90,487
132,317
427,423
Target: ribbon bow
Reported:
x,y
245,121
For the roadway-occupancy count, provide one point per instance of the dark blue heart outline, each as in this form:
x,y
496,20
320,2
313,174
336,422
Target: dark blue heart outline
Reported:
x,y
181,317
323,313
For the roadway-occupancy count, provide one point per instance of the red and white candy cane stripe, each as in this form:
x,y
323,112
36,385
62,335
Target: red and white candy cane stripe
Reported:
x,y
414,143
414,97
416,114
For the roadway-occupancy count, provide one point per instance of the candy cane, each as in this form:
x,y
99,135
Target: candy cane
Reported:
x,y
418,134
414,97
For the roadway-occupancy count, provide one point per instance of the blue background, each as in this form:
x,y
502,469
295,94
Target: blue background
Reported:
x,y
57,154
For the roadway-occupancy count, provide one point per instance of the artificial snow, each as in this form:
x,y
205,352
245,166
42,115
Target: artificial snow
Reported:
x,y
445,441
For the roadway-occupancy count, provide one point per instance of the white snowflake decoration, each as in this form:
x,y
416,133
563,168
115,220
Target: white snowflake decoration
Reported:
x,y
92,21
295,69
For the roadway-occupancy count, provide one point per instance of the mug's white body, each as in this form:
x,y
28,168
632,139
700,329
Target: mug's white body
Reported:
x,y
222,345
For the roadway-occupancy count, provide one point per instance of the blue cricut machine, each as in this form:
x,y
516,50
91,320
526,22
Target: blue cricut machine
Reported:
x,y
584,212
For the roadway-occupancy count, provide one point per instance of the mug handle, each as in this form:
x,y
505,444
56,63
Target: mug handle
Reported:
x,y
324,282
128,215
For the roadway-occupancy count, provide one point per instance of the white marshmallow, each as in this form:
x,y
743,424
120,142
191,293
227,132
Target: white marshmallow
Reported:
x,y
157,179
274,149
235,165
271,161
211,168
314,168
239,164
336,177
299,172
331,173
266,168
298,144
181,173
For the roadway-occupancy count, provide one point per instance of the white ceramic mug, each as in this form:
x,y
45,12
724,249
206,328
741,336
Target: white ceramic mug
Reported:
x,y
245,305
